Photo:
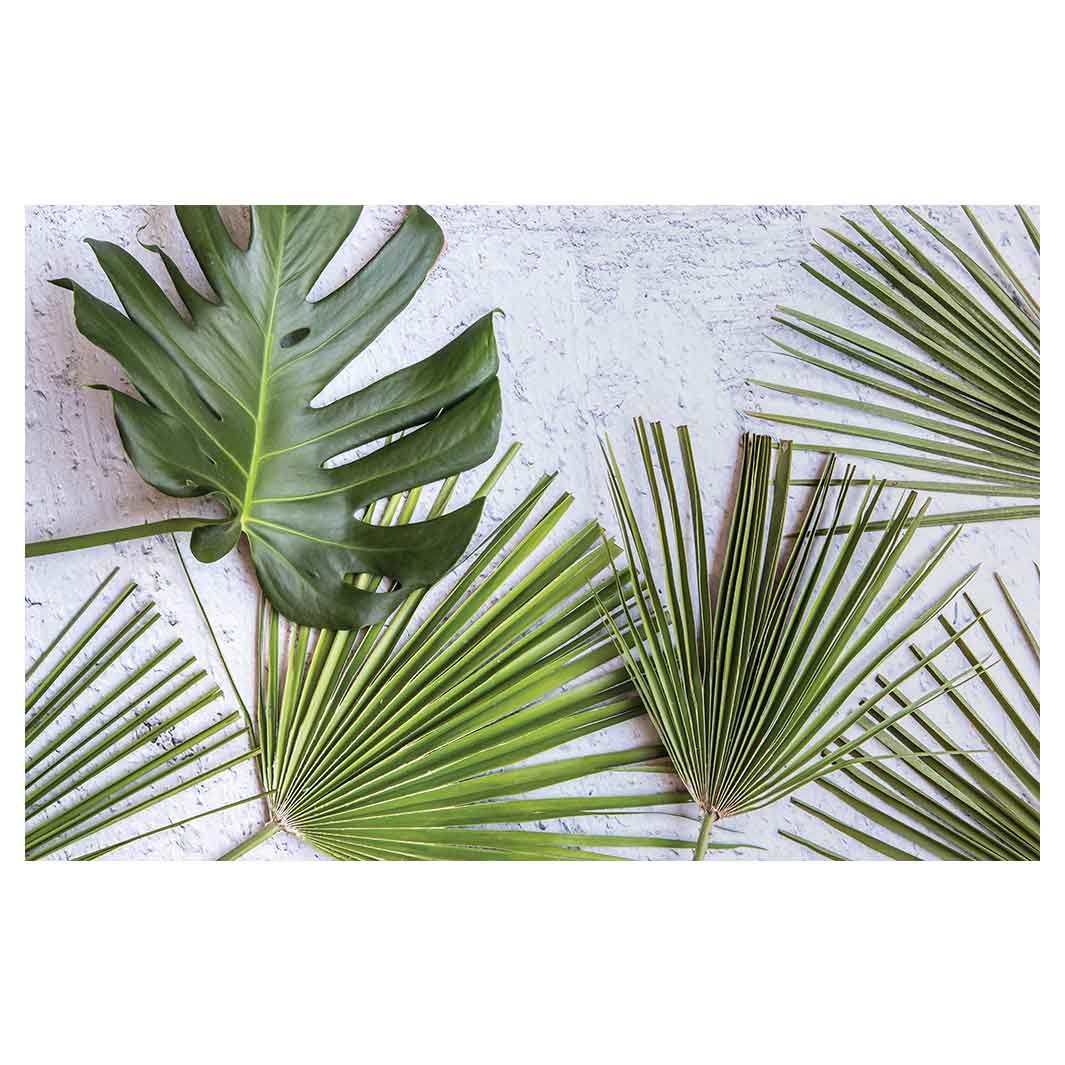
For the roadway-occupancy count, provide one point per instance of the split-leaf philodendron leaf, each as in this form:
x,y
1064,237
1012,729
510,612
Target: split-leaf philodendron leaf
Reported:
x,y
227,404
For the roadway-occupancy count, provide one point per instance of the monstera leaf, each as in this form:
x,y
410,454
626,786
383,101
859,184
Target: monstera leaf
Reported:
x,y
228,410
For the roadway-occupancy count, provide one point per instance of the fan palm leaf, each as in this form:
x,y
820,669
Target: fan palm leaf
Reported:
x,y
744,682
954,812
99,754
436,738
964,384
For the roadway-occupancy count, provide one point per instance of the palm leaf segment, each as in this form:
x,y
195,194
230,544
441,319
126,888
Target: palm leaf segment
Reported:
x,y
744,686
228,409
957,810
424,739
966,384
101,751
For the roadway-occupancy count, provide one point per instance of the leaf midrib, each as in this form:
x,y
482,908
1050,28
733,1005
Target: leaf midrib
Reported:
x,y
264,375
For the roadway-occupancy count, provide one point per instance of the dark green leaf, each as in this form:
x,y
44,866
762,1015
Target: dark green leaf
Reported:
x,y
227,404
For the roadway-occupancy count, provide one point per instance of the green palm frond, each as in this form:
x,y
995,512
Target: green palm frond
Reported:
x,y
430,739
745,681
954,812
98,754
962,389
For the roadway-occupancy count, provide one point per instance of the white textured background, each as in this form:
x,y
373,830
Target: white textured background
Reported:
x,y
610,313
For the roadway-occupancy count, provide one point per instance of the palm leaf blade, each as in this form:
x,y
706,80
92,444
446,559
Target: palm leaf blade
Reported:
x,y
92,768
745,694
972,812
435,734
970,357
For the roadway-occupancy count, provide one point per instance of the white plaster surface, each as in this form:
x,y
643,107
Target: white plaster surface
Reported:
x,y
611,312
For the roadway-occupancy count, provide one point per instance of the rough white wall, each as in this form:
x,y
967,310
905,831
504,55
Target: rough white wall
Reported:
x,y
610,313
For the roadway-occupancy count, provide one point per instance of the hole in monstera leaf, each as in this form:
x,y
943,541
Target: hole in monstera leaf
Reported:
x,y
292,339
361,452
372,582
345,458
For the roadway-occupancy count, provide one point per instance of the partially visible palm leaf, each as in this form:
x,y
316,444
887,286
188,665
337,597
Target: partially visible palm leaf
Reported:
x,y
91,767
410,740
965,383
959,812
744,686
